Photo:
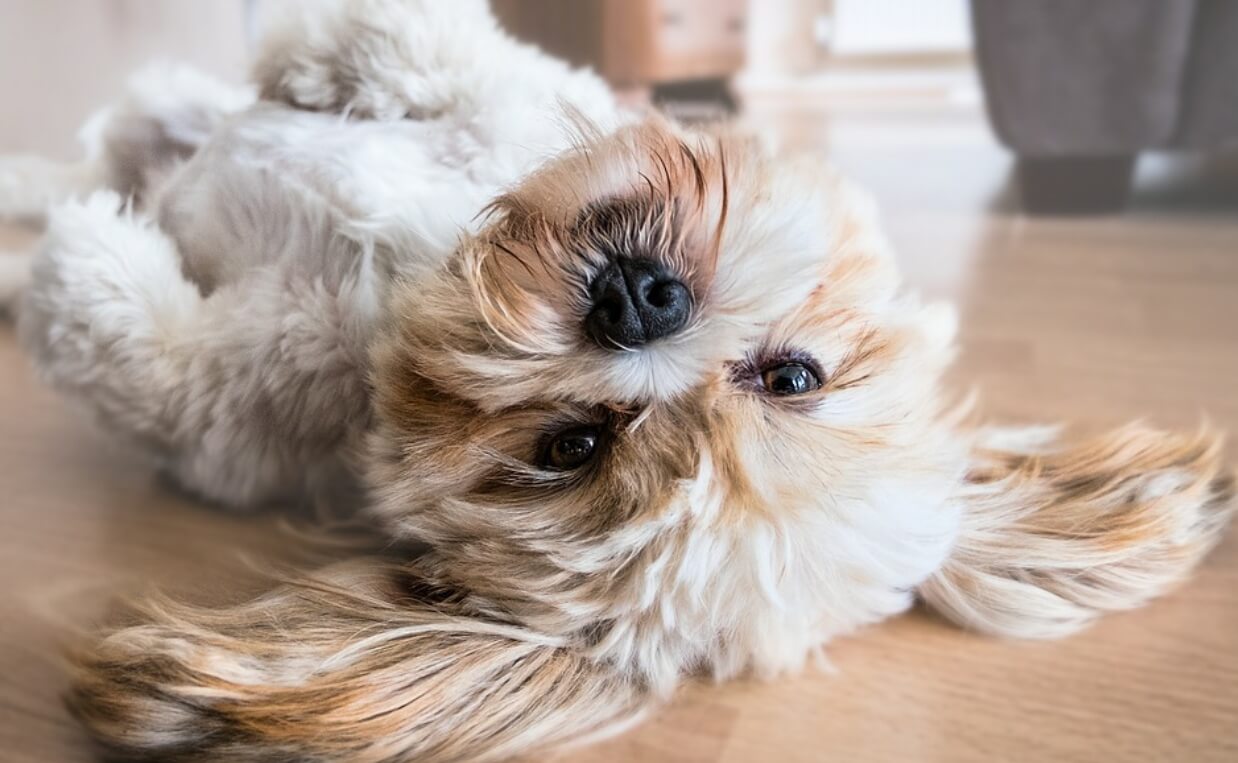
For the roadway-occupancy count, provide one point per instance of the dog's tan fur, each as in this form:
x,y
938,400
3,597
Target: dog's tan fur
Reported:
x,y
1058,535
348,664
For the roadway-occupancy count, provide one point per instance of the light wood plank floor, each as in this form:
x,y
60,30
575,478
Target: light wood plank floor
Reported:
x,y
1094,321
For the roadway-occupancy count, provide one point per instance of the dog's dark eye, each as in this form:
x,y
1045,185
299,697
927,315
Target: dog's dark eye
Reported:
x,y
790,379
571,449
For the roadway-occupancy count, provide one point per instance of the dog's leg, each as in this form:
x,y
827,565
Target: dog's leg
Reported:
x,y
1053,536
106,292
165,114
388,59
242,393
344,665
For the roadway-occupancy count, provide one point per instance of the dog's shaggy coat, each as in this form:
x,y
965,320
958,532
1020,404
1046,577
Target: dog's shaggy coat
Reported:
x,y
378,274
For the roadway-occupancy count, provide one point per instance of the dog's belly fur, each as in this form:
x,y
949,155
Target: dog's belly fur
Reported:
x,y
274,185
286,201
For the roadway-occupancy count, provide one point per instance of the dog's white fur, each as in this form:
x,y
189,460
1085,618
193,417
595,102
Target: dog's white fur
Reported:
x,y
219,298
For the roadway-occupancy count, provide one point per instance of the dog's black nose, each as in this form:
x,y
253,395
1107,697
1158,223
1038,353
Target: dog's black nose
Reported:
x,y
636,300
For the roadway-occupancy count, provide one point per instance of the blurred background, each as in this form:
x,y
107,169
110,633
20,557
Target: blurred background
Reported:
x,y
1076,92
1065,170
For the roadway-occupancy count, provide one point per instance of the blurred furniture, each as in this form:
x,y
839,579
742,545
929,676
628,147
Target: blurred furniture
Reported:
x,y
636,44
1078,89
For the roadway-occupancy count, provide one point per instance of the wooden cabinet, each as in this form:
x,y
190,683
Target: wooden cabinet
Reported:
x,y
636,43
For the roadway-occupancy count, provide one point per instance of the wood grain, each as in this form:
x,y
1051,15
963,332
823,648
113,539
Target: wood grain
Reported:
x,y
1094,321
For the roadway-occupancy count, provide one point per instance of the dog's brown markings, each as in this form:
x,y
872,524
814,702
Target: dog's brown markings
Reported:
x,y
498,244
414,691
867,355
697,174
742,496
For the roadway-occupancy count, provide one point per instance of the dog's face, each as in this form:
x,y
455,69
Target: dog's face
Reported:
x,y
661,338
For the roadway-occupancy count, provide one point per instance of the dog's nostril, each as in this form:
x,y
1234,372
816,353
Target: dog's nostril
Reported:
x,y
659,295
636,301
609,309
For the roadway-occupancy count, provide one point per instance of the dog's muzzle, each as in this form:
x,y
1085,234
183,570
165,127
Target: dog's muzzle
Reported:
x,y
635,301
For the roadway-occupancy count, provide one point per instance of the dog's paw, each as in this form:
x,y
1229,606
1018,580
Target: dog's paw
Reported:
x,y
102,264
373,59
105,295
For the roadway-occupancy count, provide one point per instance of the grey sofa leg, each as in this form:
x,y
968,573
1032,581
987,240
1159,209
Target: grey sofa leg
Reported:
x,y
1075,185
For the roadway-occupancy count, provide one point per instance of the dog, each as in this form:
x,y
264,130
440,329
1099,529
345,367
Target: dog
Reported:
x,y
650,398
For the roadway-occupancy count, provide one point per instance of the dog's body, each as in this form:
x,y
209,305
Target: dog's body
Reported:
x,y
271,234
660,410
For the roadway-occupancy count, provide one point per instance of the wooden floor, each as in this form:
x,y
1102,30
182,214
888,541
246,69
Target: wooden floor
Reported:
x,y
1094,321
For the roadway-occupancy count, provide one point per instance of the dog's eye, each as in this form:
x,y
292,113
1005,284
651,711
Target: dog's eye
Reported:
x,y
790,379
571,448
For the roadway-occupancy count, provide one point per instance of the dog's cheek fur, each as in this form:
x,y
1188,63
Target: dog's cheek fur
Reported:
x,y
1055,535
340,666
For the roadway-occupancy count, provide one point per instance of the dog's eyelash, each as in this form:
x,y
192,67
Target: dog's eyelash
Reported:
x,y
845,376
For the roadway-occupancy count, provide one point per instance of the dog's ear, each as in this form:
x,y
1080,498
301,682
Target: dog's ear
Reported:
x,y
1052,536
346,665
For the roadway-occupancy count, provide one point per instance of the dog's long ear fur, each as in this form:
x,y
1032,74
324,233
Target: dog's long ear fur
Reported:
x,y
1052,536
341,666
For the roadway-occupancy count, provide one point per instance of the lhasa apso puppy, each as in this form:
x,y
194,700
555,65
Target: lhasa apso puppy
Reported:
x,y
650,398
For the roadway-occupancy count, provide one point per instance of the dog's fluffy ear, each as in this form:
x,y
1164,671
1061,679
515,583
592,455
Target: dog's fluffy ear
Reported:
x,y
342,666
1052,536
